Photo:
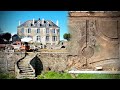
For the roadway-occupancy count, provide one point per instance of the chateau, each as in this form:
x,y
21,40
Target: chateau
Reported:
x,y
41,31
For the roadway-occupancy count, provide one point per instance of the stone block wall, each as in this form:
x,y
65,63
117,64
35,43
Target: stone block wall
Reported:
x,y
95,38
53,61
8,60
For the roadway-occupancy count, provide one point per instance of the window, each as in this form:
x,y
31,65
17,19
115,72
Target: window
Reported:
x,y
31,24
38,30
40,24
38,38
54,38
58,30
47,30
29,36
47,38
22,30
29,30
53,30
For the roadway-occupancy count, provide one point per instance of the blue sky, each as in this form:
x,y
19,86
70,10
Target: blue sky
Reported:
x,y
9,20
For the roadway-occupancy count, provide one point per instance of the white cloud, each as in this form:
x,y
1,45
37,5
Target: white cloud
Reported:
x,y
13,33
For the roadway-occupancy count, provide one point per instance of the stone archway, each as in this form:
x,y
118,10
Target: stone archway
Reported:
x,y
37,65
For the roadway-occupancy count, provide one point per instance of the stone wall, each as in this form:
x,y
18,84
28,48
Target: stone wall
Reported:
x,y
8,60
95,38
53,61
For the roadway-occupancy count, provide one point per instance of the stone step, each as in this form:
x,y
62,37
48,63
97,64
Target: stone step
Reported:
x,y
25,71
24,67
29,77
24,62
28,73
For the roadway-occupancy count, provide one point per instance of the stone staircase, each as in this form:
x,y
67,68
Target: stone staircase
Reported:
x,y
25,70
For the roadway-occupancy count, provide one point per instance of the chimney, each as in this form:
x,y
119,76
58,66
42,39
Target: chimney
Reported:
x,y
43,21
57,22
33,21
19,23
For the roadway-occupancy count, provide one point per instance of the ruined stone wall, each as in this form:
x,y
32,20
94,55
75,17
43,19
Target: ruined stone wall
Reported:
x,y
53,61
8,60
95,39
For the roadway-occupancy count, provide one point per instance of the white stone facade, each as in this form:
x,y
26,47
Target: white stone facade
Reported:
x,y
41,31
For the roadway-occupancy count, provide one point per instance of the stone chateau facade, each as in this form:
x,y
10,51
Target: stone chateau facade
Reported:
x,y
41,31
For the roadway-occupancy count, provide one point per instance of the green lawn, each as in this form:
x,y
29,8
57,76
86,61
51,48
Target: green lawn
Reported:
x,y
98,76
56,75
6,76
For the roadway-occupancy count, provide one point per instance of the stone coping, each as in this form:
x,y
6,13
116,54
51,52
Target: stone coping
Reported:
x,y
55,52
94,13
94,72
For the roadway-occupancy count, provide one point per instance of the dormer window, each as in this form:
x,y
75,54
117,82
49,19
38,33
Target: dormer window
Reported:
x,y
40,24
35,21
31,24
50,25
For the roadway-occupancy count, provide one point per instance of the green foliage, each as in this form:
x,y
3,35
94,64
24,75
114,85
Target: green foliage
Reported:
x,y
66,76
67,36
7,36
98,76
7,76
56,75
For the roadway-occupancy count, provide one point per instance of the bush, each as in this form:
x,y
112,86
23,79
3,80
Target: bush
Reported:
x,y
7,76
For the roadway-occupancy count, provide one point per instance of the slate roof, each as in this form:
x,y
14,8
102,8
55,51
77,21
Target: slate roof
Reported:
x,y
39,24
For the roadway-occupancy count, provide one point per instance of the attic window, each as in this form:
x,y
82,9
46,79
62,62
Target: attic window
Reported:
x,y
44,21
35,21
40,24
31,24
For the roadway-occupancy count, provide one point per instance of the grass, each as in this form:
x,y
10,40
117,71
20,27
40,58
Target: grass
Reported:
x,y
57,75
54,75
98,76
7,76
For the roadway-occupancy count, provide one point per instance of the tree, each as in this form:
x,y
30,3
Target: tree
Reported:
x,y
67,36
7,36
